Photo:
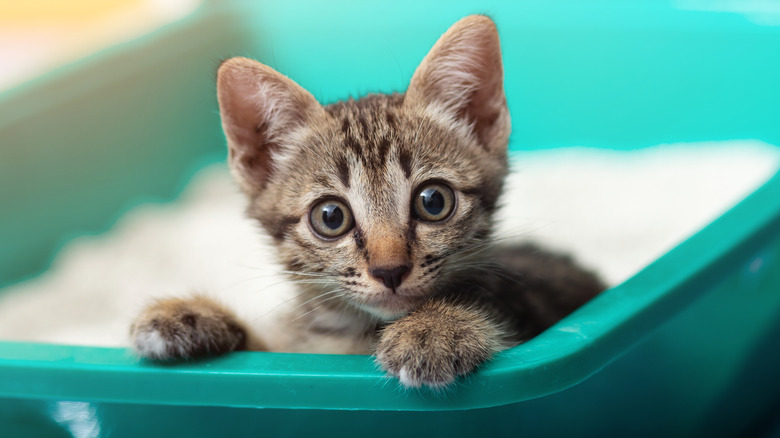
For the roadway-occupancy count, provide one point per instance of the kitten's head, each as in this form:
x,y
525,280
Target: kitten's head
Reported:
x,y
375,198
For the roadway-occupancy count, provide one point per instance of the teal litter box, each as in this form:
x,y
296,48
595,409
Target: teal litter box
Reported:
x,y
687,347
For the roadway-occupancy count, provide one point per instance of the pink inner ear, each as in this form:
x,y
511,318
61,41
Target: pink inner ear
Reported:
x,y
241,115
241,109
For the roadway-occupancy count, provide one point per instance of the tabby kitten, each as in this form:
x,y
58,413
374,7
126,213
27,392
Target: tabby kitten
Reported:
x,y
387,202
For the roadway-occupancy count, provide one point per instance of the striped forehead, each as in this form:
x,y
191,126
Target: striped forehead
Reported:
x,y
369,128
371,162
379,193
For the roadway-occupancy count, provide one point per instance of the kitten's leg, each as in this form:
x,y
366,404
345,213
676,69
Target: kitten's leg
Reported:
x,y
437,343
179,328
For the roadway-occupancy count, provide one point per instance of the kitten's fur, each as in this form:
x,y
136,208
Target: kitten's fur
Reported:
x,y
432,300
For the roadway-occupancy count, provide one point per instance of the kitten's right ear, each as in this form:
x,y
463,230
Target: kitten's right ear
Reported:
x,y
259,107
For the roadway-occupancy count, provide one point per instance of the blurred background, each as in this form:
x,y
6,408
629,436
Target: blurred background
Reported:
x,y
39,35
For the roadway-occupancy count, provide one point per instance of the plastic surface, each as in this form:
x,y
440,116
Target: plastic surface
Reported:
x,y
687,342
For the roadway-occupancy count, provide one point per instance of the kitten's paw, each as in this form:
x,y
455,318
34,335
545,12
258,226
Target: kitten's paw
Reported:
x,y
177,328
437,343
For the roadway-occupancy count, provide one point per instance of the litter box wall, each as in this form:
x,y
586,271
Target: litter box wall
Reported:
x,y
88,141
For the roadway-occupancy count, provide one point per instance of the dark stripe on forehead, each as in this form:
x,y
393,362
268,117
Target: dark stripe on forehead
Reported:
x,y
405,160
343,171
324,180
352,144
364,131
351,141
390,119
382,149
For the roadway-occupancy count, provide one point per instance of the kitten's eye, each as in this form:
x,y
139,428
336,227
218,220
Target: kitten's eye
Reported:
x,y
433,202
331,218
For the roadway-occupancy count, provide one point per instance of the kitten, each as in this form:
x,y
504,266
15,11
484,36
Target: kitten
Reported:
x,y
383,206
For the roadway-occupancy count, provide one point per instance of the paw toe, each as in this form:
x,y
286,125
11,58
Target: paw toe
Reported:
x,y
152,344
189,319
407,380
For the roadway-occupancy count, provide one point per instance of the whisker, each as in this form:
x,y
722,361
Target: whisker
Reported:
x,y
311,274
316,308
294,297
311,281
264,287
332,292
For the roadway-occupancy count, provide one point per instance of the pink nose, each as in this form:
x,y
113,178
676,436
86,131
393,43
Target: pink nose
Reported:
x,y
393,277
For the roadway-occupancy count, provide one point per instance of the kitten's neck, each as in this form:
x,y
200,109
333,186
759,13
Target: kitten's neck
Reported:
x,y
340,329
329,326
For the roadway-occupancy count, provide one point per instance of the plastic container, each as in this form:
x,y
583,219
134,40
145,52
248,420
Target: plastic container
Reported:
x,y
685,347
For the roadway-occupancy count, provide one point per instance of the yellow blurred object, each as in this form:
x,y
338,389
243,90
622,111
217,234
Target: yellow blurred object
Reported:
x,y
59,10
39,35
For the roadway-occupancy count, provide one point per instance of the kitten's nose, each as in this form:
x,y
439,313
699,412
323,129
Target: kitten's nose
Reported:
x,y
391,278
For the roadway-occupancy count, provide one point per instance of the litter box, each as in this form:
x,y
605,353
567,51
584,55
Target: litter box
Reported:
x,y
687,346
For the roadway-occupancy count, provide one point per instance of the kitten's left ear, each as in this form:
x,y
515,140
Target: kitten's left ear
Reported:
x,y
463,76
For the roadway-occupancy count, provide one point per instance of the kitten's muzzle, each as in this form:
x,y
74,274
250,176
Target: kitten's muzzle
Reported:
x,y
392,277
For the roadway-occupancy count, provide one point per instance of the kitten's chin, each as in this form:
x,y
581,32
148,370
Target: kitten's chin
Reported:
x,y
389,307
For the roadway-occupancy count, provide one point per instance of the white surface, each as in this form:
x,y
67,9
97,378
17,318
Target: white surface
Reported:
x,y
615,211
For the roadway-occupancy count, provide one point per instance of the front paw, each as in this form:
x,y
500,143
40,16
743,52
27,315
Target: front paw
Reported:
x,y
436,344
177,328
